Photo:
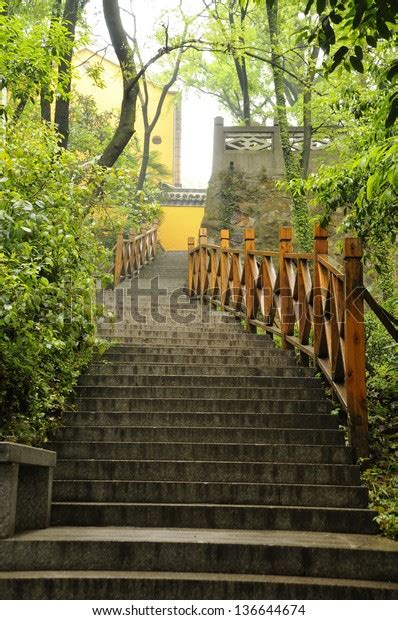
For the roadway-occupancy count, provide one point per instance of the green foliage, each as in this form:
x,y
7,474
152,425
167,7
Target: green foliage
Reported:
x,y
381,474
362,186
357,26
49,256
32,46
90,130
116,203
223,72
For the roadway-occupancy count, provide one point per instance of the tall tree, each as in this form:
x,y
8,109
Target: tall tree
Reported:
x,y
46,92
150,124
132,77
300,210
72,9
125,55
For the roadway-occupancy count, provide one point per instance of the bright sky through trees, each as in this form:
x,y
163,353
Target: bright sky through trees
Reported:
x,y
198,111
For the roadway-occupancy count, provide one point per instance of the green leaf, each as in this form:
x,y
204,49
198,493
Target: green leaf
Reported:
x,y
308,7
393,71
359,52
336,18
371,40
361,6
357,64
382,29
369,186
392,115
338,57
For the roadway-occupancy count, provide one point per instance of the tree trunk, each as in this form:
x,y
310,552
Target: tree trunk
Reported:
x,y
144,161
240,64
300,213
244,87
70,16
307,137
125,128
46,94
45,105
307,112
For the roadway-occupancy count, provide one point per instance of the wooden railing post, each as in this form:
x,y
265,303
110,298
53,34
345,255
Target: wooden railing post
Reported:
x,y
224,245
191,245
131,252
250,245
354,337
286,306
202,260
155,239
118,257
320,247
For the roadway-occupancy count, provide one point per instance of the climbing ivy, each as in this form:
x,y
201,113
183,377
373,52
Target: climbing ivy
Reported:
x,y
230,187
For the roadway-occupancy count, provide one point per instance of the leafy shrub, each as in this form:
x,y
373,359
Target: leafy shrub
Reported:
x,y
48,261
381,475
117,204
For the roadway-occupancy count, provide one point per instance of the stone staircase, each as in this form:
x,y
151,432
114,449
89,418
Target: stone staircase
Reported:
x,y
201,463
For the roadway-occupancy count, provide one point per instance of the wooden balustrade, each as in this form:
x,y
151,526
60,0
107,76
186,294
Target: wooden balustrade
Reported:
x,y
133,253
306,299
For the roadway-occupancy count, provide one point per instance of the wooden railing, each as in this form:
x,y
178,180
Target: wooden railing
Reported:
x,y
306,299
133,253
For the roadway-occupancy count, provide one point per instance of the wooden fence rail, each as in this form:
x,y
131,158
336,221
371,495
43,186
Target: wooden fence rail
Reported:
x,y
133,253
308,300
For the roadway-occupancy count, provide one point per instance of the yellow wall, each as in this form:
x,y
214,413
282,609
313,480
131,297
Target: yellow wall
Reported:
x,y
109,98
177,224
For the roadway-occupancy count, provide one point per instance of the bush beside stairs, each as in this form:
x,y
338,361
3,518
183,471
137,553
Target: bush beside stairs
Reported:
x,y
201,463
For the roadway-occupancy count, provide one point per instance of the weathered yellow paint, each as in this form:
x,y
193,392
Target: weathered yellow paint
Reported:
x,y
177,224
109,99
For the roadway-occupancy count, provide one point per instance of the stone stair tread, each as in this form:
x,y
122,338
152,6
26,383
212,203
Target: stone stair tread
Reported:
x,y
111,460
263,507
198,428
156,575
195,443
204,482
268,538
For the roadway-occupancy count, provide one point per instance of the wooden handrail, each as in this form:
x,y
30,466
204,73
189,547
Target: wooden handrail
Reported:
x,y
306,299
133,253
388,320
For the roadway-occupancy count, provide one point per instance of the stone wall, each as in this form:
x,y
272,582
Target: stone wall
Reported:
x,y
242,192
237,200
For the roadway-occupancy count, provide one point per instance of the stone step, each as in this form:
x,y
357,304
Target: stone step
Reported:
x,y
229,330
207,471
156,586
172,319
194,331
112,419
148,357
230,326
215,405
295,553
209,493
200,344
241,352
105,367
200,434
217,381
342,520
200,451
201,391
